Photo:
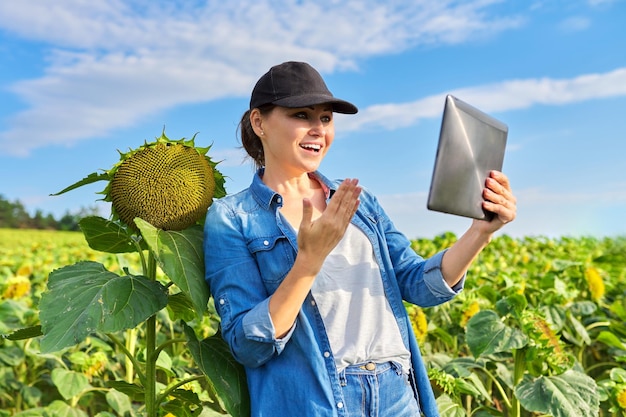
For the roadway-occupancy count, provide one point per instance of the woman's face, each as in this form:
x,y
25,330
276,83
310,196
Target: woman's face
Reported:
x,y
295,139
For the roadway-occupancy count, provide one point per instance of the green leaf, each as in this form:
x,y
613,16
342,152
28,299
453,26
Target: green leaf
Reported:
x,y
11,355
86,297
60,409
618,307
119,402
583,308
181,257
134,391
228,377
618,375
580,335
31,395
89,179
180,307
569,394
106,235
26,333
487,334
610,339
69,383
448,408
514,304
555,315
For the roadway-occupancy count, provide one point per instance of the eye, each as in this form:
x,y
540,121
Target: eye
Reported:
x,y
301,115
326,118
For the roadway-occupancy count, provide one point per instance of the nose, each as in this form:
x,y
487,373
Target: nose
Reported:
x,y
318,129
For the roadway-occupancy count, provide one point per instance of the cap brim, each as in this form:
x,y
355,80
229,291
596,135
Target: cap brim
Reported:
x,y
339,106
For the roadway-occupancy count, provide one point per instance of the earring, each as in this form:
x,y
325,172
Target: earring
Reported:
x,y
262,133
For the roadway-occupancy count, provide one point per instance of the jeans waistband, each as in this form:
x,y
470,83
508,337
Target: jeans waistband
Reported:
x,y
371,368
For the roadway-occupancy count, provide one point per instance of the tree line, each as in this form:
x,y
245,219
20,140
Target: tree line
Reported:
x,y
13,215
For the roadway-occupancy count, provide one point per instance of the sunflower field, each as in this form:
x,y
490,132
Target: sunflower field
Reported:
x,y
540,330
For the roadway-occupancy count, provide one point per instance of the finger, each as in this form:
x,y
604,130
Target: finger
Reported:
x,y
345,197
307,212
498,192
505,199
497,177
504,213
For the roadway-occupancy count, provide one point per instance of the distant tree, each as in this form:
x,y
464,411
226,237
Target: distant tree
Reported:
x,y
69,222
51,222
13,215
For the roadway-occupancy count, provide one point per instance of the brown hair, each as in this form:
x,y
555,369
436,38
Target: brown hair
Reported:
x,y
249,140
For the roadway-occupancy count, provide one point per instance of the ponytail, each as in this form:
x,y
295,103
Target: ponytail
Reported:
x,y
249,140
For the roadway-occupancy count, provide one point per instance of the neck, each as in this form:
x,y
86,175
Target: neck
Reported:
x,y
285,184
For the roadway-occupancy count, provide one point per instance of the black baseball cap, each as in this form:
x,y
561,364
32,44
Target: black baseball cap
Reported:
x,y
296,84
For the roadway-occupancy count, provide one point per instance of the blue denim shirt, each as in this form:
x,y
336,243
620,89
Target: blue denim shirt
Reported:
x,y
249,249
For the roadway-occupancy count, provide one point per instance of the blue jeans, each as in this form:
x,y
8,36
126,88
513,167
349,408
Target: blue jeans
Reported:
x,y
378,390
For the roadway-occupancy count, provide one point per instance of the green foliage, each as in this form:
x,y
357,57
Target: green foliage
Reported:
x,y
180,256
538,330
569,394
527,337
109,341
85,298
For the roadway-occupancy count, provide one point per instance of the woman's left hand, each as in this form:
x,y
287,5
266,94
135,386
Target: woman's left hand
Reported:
x,y
499,200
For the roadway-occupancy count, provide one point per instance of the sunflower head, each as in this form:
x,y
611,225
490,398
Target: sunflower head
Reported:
x,y
168,183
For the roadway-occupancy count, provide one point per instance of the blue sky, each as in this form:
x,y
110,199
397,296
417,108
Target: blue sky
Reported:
x,y
80,80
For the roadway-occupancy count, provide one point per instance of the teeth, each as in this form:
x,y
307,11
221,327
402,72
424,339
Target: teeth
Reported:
x,y
311,146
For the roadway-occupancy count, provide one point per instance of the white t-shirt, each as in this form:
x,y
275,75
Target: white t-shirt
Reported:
x,y
350,296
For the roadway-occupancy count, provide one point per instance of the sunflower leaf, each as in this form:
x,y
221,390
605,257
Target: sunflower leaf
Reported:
x,y
180,256
227,376
569,394
89,179
85,297
487,334
106,235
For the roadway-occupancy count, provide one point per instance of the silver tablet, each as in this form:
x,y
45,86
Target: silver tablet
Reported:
x,y
471,144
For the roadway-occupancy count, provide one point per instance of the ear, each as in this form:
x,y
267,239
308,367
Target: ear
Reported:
x,y
256,121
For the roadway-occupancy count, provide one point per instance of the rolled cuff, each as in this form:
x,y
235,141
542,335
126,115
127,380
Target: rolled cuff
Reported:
x,y
258,326
435,281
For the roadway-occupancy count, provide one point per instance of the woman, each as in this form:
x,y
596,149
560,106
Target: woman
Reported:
x,y
308,274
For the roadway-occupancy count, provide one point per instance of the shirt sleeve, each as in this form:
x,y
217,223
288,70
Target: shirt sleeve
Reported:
x,y
258,325
241,300
433,278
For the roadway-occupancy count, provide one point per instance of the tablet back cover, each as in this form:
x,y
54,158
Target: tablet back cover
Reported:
x,y
471,144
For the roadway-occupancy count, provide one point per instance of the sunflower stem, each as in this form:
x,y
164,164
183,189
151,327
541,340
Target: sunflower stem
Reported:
x,y
519,358
151,354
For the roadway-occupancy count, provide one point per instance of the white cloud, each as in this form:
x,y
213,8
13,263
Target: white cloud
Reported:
x,y
493,98
112,63
596,3
575,24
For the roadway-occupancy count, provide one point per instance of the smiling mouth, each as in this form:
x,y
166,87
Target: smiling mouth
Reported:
x,y
311,147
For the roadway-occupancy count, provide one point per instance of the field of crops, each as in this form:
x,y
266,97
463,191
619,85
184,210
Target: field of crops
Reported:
x,y
539,330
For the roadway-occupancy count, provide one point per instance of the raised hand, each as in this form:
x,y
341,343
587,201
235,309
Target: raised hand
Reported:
x,y
499,200
317,238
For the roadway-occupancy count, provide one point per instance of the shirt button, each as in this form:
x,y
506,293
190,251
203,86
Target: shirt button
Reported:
x,y
222,301
313,302
339,404
279,200
326,354
266,242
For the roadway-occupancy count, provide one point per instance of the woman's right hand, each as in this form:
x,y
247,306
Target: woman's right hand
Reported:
x,y
317,238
